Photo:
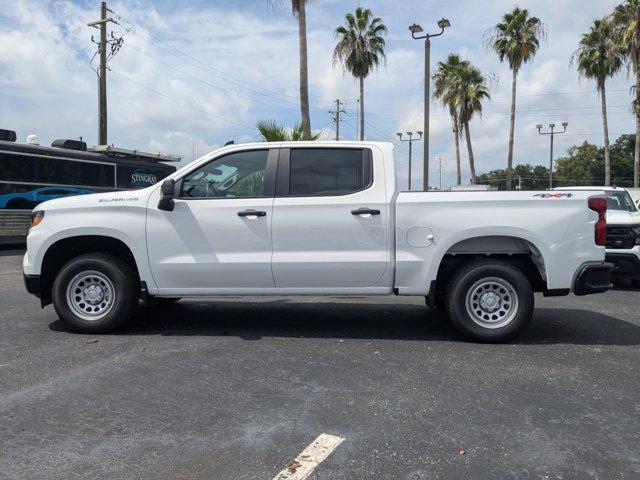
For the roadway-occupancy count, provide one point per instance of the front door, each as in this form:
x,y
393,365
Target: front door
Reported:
x,y
218,237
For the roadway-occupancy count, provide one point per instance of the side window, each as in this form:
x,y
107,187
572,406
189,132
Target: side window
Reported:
x,y
238,174
18,168
328,171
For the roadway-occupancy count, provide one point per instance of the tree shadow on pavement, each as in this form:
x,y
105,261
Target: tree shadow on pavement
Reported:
x,y
254,320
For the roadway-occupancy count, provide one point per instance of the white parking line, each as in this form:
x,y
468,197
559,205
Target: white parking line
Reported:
x,y
310,458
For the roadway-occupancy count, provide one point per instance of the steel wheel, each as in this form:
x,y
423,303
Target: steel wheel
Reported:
x,y
90,295
492,302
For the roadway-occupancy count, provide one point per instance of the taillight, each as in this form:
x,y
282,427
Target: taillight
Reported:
x,y
599,205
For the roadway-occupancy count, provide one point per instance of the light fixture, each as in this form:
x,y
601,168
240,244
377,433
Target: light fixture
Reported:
x,y
444,23
539,126
415,28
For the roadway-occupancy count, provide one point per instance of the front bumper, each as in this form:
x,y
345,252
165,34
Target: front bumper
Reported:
x,y
627,265
32,282
593,278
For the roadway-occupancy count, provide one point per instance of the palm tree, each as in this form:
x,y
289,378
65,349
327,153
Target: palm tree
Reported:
x,y
270,131
626,17
599,57
517,39
360,48
461,87
299,10
473,89
444,89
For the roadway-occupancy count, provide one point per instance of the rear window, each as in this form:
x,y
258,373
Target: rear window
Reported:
x,y
328,171
619,201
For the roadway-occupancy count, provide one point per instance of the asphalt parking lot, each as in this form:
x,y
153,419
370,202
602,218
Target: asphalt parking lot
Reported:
x,y
235,388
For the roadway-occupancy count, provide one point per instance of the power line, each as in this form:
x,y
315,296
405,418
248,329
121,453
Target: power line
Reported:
x,y
180,101
212,84
502,114
184,55
190,59
529,110
523,95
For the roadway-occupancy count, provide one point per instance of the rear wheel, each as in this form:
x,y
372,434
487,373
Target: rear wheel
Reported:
x,y
95,293
489,301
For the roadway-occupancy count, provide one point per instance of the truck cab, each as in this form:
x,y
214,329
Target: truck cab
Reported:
x,y
314,218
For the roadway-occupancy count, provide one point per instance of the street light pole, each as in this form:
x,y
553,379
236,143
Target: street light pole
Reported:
x,y
410,140
416,29
552,132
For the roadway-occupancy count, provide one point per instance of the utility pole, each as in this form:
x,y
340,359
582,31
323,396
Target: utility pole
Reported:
x,y
335,116
440,173
552,133
415,29
114,43
410,140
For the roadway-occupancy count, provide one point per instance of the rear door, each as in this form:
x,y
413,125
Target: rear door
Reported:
x,y
329,219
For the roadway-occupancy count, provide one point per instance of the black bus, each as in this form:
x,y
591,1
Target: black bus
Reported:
x,y
31,174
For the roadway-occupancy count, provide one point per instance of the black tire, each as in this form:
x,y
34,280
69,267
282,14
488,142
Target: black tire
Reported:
x,y
121,305
635,284
501,284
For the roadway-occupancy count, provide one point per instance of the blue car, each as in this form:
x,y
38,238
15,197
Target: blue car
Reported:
x,y
28,200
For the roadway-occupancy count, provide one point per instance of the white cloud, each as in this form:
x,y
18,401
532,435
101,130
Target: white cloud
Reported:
x,y
210,71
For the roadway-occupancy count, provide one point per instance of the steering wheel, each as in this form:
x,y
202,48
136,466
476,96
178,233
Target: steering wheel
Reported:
x,y
212,191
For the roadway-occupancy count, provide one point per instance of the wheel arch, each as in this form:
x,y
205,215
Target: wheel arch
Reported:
x,y
64,249
525,251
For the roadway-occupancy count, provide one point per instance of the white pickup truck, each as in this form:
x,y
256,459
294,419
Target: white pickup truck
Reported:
x,y
314,218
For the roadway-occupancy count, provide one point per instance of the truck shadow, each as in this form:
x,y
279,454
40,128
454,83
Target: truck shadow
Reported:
x,y
294,318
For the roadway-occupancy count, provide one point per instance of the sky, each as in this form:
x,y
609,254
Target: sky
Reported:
x,y
192,75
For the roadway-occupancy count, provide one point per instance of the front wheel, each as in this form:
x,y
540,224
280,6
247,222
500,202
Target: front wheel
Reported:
x,y
489,301
95,293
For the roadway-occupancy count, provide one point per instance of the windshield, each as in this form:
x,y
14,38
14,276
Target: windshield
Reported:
x,y
620,201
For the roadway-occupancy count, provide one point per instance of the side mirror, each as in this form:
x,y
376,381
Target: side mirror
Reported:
x,y
167,194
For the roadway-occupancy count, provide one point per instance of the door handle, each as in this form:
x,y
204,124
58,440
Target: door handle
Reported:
x,y
365,211
252,213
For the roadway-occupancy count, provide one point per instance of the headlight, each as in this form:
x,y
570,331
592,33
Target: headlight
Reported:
x,y
36,217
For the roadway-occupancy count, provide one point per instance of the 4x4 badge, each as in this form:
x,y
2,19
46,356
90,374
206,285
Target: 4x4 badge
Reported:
x,y
553,195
